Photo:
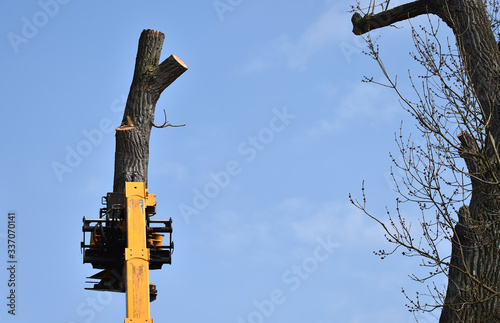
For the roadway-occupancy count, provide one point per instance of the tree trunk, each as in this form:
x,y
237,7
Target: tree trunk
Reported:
x,y
474,273
149,81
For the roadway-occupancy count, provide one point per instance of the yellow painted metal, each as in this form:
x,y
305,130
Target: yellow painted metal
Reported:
x,y
156,239
136,253
150,199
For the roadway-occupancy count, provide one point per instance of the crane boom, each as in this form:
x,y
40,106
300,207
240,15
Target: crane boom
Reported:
x,y
126,243
137,253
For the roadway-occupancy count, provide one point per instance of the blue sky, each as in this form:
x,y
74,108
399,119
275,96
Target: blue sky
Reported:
x,y
280,129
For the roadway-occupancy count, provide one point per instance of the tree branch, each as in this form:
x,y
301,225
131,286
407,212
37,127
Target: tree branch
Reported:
x,y
167,72
362,25
166,123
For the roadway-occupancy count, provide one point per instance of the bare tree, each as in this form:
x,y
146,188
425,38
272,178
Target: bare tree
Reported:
x,y
454,177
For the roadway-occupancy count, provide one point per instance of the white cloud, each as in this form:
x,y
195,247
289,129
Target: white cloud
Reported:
x,y
367,101
341,220
360,102
232,231
329,28
294,225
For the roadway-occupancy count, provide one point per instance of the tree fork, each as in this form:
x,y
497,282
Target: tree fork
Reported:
x,y
149,80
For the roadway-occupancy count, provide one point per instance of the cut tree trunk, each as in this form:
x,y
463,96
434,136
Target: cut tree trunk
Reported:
x,y
149,81
474,273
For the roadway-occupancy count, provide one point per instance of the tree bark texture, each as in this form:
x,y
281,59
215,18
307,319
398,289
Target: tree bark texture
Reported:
x,y
149,80
474,273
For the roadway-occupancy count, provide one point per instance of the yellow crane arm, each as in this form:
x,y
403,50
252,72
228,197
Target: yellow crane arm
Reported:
x,y
137,253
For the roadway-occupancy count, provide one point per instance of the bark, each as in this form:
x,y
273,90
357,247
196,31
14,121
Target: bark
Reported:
x,y
474,273
362,25
149,80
